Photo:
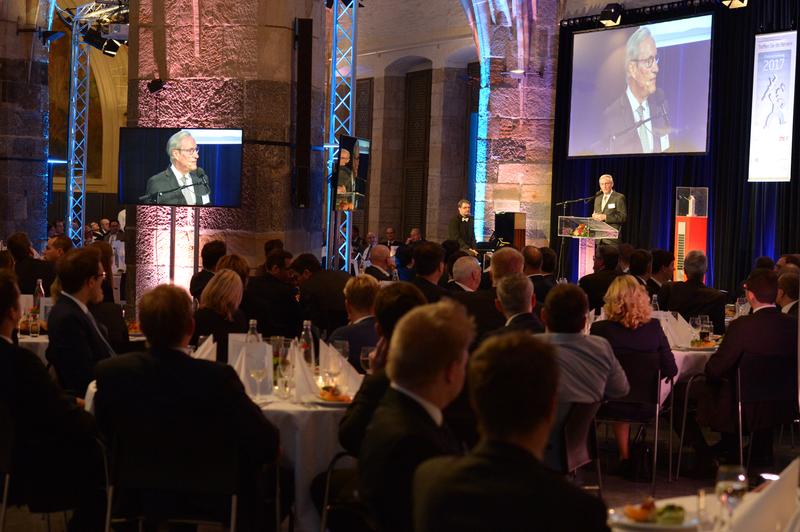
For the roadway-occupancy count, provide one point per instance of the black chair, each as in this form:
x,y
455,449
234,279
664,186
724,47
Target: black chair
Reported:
x,y
689,383
579,441
644,376
355,512
6,444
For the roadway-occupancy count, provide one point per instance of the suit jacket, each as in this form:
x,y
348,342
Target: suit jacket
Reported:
x,y
432,292
357,335
30,269
401,436
376,273
619,134
653,288
462,232
199,282
767,331
499,486
480,305
793,309
596,285
542,284
647,338
522,322
112,325
390,243
616,215
75,345
274,305
353,425
453,286
322,299
693,298
166,180
208,322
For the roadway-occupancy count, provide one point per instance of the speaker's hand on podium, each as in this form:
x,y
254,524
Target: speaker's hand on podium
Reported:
x,y
599,217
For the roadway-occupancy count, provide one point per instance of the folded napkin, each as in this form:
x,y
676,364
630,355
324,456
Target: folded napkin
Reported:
x,y
677,331
305,383
235,343
207,351
244,362
349,380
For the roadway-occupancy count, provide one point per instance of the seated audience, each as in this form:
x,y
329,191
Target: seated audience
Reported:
x,y
27,268
450,258
429,267
662,270
426,366
380,266
106,259
390,241
629,329
107,313
692,297
502,484
549,264
641,266
542,282
269,246
414,236
624,261
359,299
272,298
370,244
765,262
788,293
219,313
209,255
466,274
787,259
605,270
76,342
55,457
56,247
321,293
166,392
515,299
6,260
238,264
404,261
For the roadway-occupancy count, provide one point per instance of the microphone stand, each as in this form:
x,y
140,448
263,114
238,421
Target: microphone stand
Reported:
x,y
563,205
155,197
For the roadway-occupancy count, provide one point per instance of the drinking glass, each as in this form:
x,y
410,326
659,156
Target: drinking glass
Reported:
x,y
730,489
285,376
33,325
257,368
365,360
333,364
696,324
741,305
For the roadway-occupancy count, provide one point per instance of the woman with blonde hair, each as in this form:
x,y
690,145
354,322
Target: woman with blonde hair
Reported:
x,y
219,312
628,327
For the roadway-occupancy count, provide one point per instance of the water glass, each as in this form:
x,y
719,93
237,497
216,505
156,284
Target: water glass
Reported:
x,y
365,360
741,306
258,371
696,324
33,323
730,489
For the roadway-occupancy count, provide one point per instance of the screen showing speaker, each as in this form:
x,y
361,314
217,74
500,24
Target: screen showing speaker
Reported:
x,y
352,171
641,89
180,167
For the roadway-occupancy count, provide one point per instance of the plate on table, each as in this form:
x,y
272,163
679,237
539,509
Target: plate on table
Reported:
x,y
618,520
317,400
709,349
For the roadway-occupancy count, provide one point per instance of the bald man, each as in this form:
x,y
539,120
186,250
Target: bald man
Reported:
x,y
466,275
381,268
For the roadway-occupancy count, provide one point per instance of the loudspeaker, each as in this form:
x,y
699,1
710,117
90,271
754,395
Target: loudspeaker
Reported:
x,y
510,227
304,41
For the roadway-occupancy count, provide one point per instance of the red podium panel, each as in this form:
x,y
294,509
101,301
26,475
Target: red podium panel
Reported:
x,y
690,235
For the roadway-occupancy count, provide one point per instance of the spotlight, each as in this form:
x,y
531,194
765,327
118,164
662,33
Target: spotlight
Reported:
x,y
611,15
155,85
111,47
734,4
49,36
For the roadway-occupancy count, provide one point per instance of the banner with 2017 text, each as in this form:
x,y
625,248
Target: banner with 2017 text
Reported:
x,y
773,107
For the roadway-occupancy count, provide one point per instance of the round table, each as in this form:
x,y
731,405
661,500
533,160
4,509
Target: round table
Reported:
x,y
689,363
37,344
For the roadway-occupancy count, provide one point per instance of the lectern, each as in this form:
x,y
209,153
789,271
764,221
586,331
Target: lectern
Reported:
x,y
691,224
586,230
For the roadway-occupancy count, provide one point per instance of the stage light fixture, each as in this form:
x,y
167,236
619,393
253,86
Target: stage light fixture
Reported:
x,y
111,47
155,85
734,4
611,15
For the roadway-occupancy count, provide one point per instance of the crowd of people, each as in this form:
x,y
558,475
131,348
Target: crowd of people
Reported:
x,y
470,371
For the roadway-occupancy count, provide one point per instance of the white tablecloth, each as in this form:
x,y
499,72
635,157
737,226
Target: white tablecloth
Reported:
x,y
689,363
309,441
37,345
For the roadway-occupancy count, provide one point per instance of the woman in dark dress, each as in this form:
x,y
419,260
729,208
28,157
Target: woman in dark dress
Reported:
x,y
628,327
219,313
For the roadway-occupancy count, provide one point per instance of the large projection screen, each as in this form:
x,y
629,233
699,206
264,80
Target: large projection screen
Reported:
x,y
772,117
641,89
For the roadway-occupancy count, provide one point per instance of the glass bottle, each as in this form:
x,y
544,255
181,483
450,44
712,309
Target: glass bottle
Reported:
x,y
253,337
654,302
307,345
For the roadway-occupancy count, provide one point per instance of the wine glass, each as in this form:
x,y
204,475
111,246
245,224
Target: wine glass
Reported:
x,y
257,368
333,364
730,489
696,324
285,375
741,306
365,360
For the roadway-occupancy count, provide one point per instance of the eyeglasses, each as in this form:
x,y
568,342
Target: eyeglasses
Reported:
x,y
648,62
196,151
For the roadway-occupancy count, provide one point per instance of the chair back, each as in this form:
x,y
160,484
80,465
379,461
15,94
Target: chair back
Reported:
x,y
644,377
6,438
576,435
767,377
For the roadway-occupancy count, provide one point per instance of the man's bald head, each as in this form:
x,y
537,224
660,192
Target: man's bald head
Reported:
x,y
467,271
505,261
533,260
380,255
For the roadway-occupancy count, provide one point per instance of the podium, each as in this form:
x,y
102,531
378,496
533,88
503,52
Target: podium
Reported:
x,y
691,224
587,231
349,201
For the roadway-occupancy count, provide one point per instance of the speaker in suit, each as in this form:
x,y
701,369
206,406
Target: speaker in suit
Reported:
x,y
615,211
693,298
620,134
162,188
358,335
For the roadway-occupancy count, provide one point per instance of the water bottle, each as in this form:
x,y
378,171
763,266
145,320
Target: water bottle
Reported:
x,y
36,310
654,302
252,337
307,345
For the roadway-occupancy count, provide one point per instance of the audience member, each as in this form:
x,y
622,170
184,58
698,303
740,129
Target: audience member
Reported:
x,y
238,264
788,293
269,246
662,270
605,271
27,268
371,242
219,313
450,258
404,263
357,241
96,232
542,282
692,297
107,313
322,297
549,263
502,484
429,267
115,233
106,259
272,298
380,267
624,261
629,329
765,262
641,266
165,391
466,274
105,226
390,241
7,260
414,236
209,255
787,259
76,343
56,247
516,300
426,366
359,298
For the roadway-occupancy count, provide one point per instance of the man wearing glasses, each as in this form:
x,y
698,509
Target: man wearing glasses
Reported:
x,y
182,183
638,121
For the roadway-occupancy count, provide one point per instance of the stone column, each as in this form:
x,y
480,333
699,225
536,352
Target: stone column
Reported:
x,y
229,64
23,122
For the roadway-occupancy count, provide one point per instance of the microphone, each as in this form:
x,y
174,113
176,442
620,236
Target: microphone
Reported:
x,y
598,193
203,179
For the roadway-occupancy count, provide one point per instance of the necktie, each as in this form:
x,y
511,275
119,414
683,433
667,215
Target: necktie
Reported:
x,y
188,192
605,201
643,136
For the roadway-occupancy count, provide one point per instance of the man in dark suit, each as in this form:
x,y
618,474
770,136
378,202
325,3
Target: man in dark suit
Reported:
x,y
788,293
321,293
641,266
542,282
515,299
466,275
637,121
429,267
57,246
165,391
359,298
609,207
182,183
272,298
502,484
692,297
663,266
605,271
426,366
210,255
76,342
380,267
27,268
462,228
391,241
55,457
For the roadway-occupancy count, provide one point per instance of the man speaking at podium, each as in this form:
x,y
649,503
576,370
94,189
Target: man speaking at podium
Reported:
x,y
609,207
183,183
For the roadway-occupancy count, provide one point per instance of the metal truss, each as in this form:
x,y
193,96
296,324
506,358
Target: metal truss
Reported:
x,y
342,105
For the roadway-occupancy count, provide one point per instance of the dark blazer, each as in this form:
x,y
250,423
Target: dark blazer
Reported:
x,y
523,322
353,425
208,322
499,486
618,133
480,305
462,232
274,305
30,269
322,299
596,285
615,216
199,282
453,286
693,298
432,292
376,273
112,324
75,346
401,436
767,331
793,309
390,243
542,284
647,338
357,335
166,180
653,288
